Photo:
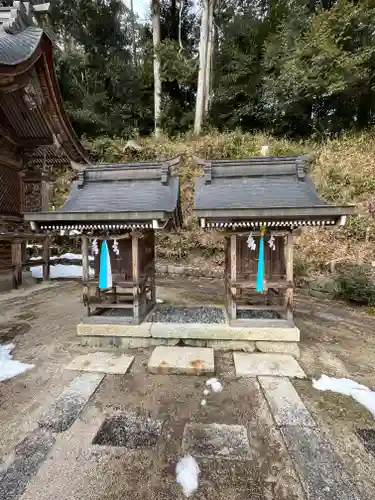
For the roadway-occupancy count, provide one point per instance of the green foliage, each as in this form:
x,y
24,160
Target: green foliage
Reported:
x,y
319,68
293,68
356,284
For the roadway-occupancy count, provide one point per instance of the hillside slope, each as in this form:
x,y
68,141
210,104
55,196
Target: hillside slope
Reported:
x,y
343,170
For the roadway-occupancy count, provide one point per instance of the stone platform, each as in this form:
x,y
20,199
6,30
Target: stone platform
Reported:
x,y
214,330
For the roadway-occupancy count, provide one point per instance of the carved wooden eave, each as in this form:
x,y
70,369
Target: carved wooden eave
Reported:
x,y
32,114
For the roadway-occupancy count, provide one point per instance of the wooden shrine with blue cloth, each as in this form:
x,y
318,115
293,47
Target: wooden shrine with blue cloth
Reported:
x,y
115,211
259,204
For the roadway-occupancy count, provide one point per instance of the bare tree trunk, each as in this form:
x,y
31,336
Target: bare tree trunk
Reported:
x,y
134,47
157,76
210,55
201,90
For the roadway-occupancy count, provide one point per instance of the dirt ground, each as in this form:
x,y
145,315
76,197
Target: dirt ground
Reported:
x,y
335,340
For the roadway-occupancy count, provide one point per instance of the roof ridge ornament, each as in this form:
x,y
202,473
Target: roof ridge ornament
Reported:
x,y
81,179
207,169
165,174
301,167
21,15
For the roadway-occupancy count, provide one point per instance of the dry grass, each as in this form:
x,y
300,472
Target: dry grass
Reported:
x,y
343,170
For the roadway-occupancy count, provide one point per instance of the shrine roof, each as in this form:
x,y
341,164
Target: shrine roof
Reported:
x,y
32,115
19,47
20,36
268,187
120,192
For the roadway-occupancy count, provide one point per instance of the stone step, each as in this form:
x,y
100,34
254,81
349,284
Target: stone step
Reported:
x,y
264,364
182,360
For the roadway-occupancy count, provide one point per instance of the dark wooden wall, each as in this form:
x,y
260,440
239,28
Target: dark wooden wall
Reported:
x,y
10,212
10,191
121,264
247,260
147,254
5,257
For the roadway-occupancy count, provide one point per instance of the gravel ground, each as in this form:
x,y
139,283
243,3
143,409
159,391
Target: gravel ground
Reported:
x,y
128,313
243,314
169,314
129,430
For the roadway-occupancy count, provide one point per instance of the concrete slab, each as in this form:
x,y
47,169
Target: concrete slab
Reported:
x,y
60,416
291,348
124,342
321,472
257,365
286,405
255,331
182,360
24,463
114,330
216,441
232,345
101,362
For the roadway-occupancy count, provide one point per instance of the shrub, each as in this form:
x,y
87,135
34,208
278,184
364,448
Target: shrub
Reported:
x,y
357,284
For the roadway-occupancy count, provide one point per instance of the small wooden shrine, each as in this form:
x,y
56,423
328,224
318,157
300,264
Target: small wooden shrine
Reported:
x,y
259,203
35,134
118,208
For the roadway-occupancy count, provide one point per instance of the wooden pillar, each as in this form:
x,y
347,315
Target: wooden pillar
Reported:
x,y
135,269
226,274
44,193
17,262
46,259
85,272
233,275
153,263
85,258
289,276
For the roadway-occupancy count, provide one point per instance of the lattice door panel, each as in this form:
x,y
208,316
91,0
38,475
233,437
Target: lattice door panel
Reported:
x,y
10,195
32,192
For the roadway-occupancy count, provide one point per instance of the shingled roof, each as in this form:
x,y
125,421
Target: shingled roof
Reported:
x,y
262,190
142,195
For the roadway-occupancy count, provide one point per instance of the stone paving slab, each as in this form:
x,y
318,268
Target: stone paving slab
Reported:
x,y
322,474
102,362
24,463
264,364
216,441
286,405
60,416
182,360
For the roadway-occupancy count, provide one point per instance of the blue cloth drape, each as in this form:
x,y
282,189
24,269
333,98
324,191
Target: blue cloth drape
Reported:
x,y
105,271
260,274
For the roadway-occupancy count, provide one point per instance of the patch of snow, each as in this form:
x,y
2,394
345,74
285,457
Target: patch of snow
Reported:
x,y
187,472
34,245
206,392
61,271
159,301
214,384
203,402
9,367
71,256
65,256
362,394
